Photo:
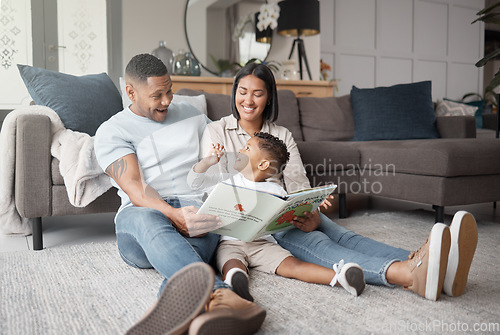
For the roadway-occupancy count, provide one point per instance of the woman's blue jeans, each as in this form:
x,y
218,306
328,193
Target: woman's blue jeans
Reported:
x,y
147,239
331,243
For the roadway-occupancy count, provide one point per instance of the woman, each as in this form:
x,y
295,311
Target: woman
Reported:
x,y
319,240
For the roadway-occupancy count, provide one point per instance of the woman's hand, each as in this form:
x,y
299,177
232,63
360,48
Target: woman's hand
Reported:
x,y
307,223
327,202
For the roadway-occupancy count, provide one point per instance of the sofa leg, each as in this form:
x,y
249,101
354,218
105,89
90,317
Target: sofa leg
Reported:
x,y
37,234
439,213
342,206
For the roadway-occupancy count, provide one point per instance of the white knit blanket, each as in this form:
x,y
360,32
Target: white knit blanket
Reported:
x,y
83,177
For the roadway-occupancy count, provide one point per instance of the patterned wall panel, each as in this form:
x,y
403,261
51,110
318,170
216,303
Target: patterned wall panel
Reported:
x,y
82,35
15,48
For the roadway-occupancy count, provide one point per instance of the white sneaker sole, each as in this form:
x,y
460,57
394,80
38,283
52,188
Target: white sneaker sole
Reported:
x,y
463,230
439,247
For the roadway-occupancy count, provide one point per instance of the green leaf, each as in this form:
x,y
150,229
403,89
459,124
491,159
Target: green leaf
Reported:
x,y
494,83
488,18
488,57
488,9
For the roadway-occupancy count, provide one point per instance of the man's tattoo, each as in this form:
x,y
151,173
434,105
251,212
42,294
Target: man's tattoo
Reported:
x,y
117,169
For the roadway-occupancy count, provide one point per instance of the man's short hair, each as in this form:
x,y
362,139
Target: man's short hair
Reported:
x,y
276,148
143,66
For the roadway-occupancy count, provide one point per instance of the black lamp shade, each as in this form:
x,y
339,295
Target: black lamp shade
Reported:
x,y
298,18
264,36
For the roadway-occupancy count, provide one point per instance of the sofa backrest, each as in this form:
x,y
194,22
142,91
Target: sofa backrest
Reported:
x,y
219,105
326,119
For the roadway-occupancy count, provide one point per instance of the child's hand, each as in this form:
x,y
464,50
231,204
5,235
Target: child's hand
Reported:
x,y
213,158
327,202
215,154
217,151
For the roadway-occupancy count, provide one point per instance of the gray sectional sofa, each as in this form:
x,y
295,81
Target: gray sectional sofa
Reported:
x,y
456,169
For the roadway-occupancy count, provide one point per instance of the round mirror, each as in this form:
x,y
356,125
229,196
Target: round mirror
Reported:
x,y
221,34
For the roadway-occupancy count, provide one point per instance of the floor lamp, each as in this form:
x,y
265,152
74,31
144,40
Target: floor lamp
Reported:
x,y
299,18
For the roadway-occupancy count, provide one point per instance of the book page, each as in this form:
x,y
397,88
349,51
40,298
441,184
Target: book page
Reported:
x,y
242,211
297,203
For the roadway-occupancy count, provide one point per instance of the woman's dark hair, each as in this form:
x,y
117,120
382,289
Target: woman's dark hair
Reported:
x,y
143,66
262,72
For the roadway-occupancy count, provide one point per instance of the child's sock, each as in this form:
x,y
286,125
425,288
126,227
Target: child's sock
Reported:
x,y
350,276
238,279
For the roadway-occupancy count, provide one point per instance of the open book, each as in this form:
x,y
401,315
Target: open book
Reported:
x,y
247,214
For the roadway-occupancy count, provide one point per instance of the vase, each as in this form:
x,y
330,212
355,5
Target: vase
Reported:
x,y
165,55
185,64
289,71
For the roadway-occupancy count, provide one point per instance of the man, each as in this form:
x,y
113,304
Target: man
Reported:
x,y
147,149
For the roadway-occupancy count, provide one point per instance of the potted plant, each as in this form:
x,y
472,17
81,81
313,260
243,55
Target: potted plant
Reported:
x,y
490,15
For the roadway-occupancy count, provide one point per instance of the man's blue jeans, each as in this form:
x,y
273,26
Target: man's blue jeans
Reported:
x,y
330,243
147,239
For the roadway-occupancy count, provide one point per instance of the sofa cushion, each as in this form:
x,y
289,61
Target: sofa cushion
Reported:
x,y
288,115
323,157
478,114
452,108
398,112
82,103
443,157
219,105
326,119
197,101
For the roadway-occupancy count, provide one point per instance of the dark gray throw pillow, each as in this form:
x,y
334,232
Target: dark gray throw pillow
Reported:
x,y
398,112
83,103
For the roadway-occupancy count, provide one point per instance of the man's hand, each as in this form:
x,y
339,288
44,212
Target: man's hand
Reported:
x,y
307,223
188,223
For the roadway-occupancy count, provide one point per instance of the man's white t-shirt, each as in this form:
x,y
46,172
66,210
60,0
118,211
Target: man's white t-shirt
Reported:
x,y
166,150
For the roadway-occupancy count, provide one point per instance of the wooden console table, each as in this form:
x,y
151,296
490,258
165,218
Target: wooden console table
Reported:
x,y
301,88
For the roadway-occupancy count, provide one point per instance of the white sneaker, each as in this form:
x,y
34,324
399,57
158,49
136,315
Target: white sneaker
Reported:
x,y
428,264
350,276
463,231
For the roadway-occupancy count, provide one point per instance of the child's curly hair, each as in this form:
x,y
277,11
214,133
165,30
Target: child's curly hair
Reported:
x,y
275,147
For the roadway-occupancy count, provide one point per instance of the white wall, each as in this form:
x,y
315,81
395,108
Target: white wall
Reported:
x,y
148,21
372,43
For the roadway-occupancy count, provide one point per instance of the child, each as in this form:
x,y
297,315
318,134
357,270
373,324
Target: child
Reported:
x,y
263,156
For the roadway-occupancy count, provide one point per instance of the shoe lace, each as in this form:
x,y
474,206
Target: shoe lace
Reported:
x,y
337,267
413,254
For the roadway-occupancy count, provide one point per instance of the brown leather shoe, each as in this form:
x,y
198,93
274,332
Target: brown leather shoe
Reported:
x,y
228,314
183,298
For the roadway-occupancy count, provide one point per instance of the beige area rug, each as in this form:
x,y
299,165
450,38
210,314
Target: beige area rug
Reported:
x,y
88,289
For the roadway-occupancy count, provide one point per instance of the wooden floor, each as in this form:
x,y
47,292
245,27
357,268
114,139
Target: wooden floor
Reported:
x,y
79,229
